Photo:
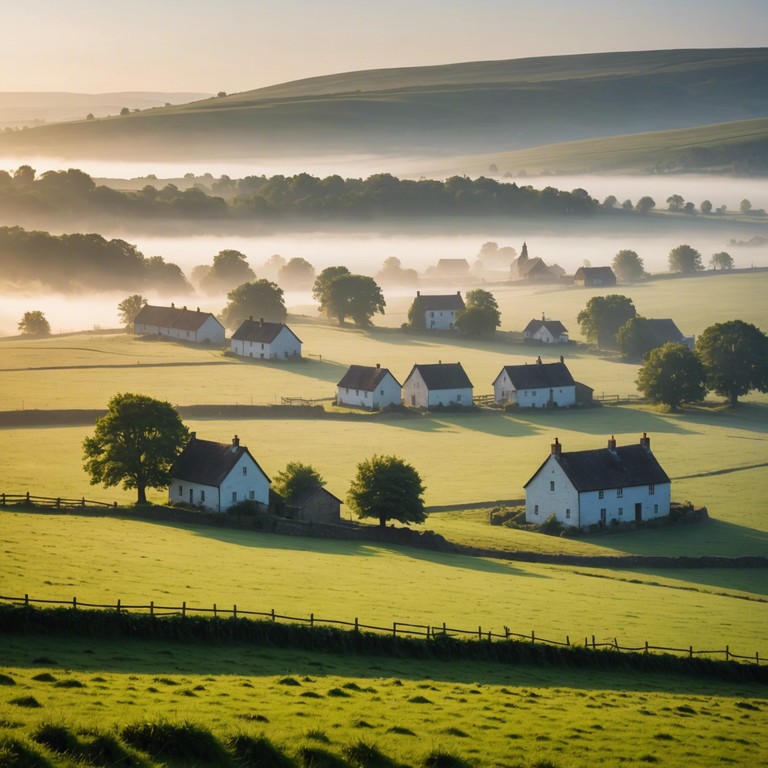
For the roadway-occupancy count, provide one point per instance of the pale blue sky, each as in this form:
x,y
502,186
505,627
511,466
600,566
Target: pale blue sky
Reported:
x,y
235,45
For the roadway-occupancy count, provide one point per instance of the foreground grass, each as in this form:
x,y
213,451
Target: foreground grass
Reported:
x,y
101,560
482,714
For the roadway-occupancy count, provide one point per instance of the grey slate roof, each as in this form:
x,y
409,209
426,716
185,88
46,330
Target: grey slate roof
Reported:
x,y
208,463
172,317
555,327
623,467
664,329
539,375
260,331
365,377
603,275
300,499
442,376
438,303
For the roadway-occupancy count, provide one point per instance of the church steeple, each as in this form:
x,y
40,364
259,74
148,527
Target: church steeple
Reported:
x,y
524,253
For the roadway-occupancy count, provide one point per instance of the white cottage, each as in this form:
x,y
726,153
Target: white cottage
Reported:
x,y
436,313
368,387
437,384
546,331
216,476
266,341
184,324
625,484
540,385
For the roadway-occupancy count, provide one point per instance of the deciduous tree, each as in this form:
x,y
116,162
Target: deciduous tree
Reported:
x,y
480,316
672,375
129,307
387,488
684,258
229,268
295,479
321,290
135,444
721,260
636,338
735,358
601,319
33,323
628,266
298,273
645,204
357,297
259,299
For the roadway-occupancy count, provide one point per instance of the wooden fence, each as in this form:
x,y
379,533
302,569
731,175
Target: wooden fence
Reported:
x,y
397,628
57,502
617,399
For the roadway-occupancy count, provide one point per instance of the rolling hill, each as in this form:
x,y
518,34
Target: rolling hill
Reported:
x,y
456,109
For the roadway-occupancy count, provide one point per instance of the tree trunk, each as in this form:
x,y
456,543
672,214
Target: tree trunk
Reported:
x,y
383,522
734,399
142,494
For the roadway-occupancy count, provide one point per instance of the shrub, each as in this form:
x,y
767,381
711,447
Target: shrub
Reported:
x,y
26,701
248,508
6,680
439,758
315,757
107,750
365,755
19,753
181,742
57,738
258,753
551,526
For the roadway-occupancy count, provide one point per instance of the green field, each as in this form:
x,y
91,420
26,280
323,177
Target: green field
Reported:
x,y
484,715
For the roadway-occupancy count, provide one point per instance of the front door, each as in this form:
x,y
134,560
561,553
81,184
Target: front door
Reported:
x,y
638,512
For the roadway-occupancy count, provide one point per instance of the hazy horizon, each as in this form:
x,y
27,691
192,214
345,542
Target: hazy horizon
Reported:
x,y
91,47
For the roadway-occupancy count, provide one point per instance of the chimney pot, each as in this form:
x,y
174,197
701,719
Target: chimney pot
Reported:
x,y
378,365
645,441
538,360
612,443
562,359
235,442
193,436
418,293
556,447
250,317
261,321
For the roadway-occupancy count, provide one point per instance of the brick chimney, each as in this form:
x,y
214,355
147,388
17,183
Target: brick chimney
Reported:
x,y
235,443
261,321
612,443
562,359
192,436
556,447
645,441
418,293
250,317
538,360
378,365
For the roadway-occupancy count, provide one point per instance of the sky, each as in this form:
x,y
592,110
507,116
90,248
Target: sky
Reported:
x,y
95,46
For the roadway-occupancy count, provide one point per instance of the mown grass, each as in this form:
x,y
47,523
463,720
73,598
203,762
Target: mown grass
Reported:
x,y
101,560
476,713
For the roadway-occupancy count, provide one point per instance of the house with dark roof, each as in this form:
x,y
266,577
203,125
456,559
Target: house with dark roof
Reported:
x,y
452,268
265,341
184,324
594,277
665,330
437,384
315,505
541,385
435,313
215,476
368,387
546,331
616,484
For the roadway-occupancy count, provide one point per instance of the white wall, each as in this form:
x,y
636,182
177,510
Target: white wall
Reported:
x,y
210,332
283,346
439,319
386,393
504,392
415,394
541,501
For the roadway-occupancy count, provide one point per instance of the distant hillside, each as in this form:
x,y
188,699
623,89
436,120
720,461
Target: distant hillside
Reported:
x,y
457,109
34,107
740,147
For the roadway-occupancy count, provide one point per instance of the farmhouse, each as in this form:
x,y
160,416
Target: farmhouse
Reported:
x,y
216,476
435,313
369,387
546,331
665,330
185,324
594,277
452,268
266,341
442,384
316,505
540,385
596,487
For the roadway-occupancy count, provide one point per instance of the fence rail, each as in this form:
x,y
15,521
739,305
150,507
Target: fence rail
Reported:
x,y
306,401
55,502
617,399
396,629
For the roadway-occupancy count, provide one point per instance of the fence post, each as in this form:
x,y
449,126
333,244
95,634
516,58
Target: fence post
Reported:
x,y
568,640
26,600
184,608
727,652
151,607
234,611
479,633
356,624
646,647
117,607
83,502
311,619
27,497
394,629
533,637
444,631
757,658
616,644
214,610
690,651
74,603
273,614
58,502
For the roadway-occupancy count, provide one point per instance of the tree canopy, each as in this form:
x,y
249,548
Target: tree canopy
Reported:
x,y
34,323
636,338
735,358
298,274
129,307
684,258
229,268
295,479
259,299
628,266
135,443
343,295
387,488
721,260
672,375
601,319
480,316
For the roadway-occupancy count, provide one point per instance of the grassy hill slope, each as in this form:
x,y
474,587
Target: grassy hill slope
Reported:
x,y
457,108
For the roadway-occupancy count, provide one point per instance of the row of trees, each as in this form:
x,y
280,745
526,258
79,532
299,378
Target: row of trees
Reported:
x,y
629,268
138,440
730,359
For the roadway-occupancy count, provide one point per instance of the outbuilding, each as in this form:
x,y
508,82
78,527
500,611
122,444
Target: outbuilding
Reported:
x,y
183,324
432,385
368,387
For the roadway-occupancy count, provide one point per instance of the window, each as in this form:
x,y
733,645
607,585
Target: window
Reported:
x,y
234,495
551,485
619,493
536,509
655,509
202,495
181,490
603,514
381,392
458,398
651,489
191,500
567,514
621,511
251,495
245,471
601,494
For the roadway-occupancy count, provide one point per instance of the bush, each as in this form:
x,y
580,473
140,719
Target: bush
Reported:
x,y
176,742
248,508
552,526
258,753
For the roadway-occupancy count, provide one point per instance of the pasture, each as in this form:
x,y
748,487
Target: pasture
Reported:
x,y
479,714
